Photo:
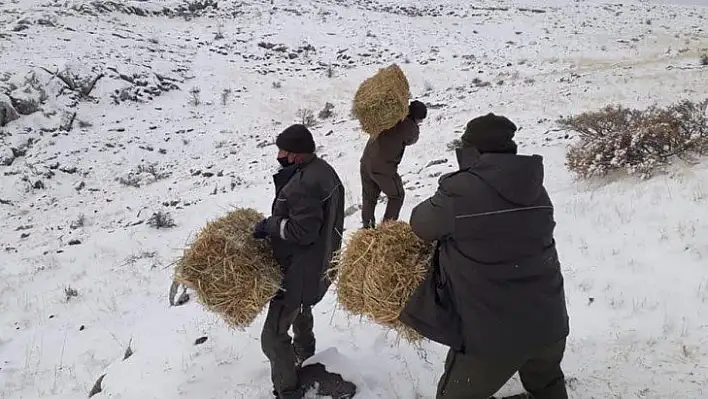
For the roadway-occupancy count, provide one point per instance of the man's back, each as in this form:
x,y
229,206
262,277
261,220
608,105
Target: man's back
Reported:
x,y
495,295
503,212
384,153
498,252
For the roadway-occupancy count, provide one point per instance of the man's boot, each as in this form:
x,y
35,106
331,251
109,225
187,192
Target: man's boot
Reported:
x,y
296,394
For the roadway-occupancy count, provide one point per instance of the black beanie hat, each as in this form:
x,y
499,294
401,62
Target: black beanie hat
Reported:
x,y
296,139
490,133
417,110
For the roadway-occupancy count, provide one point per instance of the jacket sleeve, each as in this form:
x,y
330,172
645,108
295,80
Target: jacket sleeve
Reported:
x,y
434,218
304,221
412,135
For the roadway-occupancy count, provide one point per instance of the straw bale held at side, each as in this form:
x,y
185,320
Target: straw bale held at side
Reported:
x,y
382,100
233,274
379,270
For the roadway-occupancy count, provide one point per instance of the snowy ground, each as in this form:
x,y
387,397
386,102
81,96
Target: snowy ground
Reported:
x,y
86,171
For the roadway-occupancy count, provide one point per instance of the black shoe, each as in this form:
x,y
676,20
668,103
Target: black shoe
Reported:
x,y
328,385
296,394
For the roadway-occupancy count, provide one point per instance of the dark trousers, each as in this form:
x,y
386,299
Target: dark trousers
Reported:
x,y
471,377
372,184
285,353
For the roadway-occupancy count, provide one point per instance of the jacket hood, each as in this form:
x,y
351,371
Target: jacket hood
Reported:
x,y
516,178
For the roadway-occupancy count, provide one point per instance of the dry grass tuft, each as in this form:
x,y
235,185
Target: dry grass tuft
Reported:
x,y
382,100
233,274
379,270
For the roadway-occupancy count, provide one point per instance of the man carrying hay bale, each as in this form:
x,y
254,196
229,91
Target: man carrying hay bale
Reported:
x,y
305,230
379,165
496,294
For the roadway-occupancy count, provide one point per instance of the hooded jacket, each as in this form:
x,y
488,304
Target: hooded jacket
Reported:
x,y
496,287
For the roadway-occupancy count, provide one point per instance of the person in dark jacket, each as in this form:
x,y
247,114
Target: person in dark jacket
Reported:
x,y
495,293
305,230
379,165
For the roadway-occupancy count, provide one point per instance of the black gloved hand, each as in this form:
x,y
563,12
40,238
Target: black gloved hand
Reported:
x,y
259,230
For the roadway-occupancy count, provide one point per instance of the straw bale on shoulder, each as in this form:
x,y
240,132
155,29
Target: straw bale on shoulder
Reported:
x,y
378,272
233,274
382,100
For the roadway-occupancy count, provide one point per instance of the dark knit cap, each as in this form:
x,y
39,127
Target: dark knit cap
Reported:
x,y
490,133
296,139
417,110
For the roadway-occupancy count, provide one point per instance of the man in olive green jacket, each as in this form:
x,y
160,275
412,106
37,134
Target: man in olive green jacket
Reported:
x,y
379,165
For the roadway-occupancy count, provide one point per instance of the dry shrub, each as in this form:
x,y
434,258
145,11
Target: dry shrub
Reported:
x,y
382,100
636,141
379,270
233,274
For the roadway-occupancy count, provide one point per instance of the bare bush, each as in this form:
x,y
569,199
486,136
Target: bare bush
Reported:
x,y
477,82
79,222
130,180
636,141
196,6
161,220
306,117
219,32
327,111
70,293
144,175
195,99
225,94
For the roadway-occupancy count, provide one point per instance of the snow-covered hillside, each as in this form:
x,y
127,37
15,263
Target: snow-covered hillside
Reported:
x,y
129,108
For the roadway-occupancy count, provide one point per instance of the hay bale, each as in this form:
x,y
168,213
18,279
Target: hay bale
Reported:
x,y
379,270
382,100
233,274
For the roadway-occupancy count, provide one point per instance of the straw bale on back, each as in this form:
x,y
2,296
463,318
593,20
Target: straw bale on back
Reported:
x,y
379,270
233,274
382,100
